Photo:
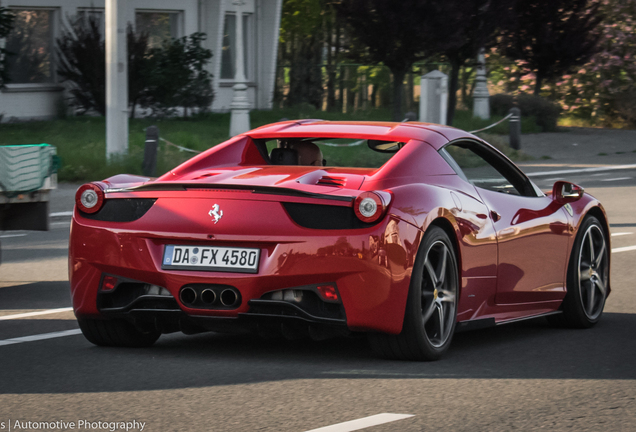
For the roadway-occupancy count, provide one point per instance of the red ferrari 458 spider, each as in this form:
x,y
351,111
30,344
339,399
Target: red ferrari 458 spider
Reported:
x,y
426,231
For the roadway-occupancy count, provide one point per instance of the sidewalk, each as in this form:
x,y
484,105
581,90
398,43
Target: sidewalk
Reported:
x,y
578,148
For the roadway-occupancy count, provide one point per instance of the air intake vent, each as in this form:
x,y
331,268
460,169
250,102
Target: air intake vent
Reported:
x,y
206,175
331,181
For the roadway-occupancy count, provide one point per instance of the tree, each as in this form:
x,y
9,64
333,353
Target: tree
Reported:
x,y
603,88
163,78
302,36
553,36
6,24
396,34
82,63
475,24
137,67
176,76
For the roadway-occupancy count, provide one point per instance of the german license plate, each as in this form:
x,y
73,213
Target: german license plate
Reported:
x,y
211,258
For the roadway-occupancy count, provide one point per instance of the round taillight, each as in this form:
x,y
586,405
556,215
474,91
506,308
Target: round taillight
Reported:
x,y
370,206
89,198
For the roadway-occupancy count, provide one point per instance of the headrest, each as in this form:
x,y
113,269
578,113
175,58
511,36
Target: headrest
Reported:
x,y
284,156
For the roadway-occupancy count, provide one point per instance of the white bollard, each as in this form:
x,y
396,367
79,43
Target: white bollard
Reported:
x,y
433,97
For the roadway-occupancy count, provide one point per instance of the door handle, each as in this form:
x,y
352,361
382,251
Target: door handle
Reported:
x,y
494,215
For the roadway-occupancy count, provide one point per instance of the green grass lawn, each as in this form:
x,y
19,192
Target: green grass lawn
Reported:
x,y
81,141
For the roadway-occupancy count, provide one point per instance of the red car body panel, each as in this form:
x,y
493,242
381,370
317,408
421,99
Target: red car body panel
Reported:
x,y
510,268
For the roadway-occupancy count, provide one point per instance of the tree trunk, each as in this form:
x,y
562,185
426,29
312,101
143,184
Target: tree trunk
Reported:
x,y
410,99
465,90
398,84
349,78
364,91
279,80
374,96
331,69
341,85
452,88
539,83
305,75
338,105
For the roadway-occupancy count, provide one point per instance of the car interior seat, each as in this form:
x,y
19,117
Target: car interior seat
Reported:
x,y
284,156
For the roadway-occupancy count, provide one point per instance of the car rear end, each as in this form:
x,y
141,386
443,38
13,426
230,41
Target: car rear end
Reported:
x,y
192,257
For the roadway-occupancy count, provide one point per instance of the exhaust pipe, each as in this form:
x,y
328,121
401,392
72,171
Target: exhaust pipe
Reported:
x,y
208,296
228,297
188,295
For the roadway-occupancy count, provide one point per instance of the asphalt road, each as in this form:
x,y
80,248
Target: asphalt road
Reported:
x,y
522,376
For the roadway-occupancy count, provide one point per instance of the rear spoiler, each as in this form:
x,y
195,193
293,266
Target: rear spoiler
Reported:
x,y
268,190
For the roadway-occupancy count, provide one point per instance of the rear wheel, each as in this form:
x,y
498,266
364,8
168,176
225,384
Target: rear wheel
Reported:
x,y
588,277
431,309
118,333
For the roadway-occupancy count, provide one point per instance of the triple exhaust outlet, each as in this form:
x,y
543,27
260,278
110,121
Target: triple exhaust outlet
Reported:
x,y
199,297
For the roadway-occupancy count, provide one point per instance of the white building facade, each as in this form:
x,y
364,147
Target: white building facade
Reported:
x,y
36,92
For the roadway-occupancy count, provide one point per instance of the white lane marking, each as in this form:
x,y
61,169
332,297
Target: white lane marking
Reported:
x,y
59,214
616,179
621,234
30,314
12,235
624,249
363,423
40,337
581,170
66,223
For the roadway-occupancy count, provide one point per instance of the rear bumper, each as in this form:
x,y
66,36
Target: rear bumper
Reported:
x,y
371,268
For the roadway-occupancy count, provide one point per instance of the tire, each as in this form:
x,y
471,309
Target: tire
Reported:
x,y
116,333
431,307
587,278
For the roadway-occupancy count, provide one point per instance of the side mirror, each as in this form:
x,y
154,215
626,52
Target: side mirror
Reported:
x,y
565,192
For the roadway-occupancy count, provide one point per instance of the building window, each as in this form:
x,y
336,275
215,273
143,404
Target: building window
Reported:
x,y
228,54
93,15
160,26
31,46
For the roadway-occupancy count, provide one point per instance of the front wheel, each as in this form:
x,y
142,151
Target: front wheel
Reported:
x,y
431,308
588,277
117,333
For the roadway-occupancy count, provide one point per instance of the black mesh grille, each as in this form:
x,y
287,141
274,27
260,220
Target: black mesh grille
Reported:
x,y
331,181
122,209
134,295
319,216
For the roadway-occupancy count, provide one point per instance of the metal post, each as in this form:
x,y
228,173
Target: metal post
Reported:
x,y
116,79
149,167
240,106
515,128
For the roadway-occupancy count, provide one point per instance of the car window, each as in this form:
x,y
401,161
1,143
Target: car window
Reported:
x,y
342,152
486,169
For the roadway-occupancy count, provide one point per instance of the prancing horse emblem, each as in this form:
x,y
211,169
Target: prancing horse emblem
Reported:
x,y
216,213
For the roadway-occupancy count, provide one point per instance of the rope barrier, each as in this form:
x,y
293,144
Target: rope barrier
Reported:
x,y
353,144
492,125
179,147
